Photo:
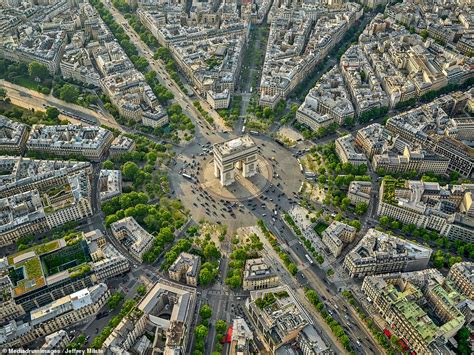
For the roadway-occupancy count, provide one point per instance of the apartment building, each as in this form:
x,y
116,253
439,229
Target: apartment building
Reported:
x,y
22,174
76,63
280,319
364,86
9,309
241,337
132,236
107,262
462,277
336,235
110,184
417,126
359,192
218,100
379,253
63,312
91,142
121,145
373,139
149,316
327,102
446,210
259,275
316,29
420,161
21,214
186,268
57,341
41,45
154,119
347,152
420,307
13,136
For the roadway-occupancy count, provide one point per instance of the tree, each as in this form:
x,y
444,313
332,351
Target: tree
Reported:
x,y
201,332
384,221
205,312
234,281
141,290
3,94
38,70
221,326
292,268
69,93
205,277
52,113
108,165
356,224
211,252
463,341
130,170
115,300
361,208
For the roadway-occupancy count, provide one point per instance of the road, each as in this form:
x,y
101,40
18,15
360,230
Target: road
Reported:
x,y
31,99
164,78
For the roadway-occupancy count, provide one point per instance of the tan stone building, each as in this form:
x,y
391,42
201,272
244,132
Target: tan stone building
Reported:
x,y
186,267
259,275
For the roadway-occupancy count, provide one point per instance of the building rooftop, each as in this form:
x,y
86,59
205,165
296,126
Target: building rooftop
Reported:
x,y
377,247
256,269
188,262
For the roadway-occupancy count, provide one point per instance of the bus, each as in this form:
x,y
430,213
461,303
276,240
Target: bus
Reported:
x,y
255,133
243,129
189,177
309,259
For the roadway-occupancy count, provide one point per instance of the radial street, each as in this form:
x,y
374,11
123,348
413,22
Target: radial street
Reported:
x,y
164,78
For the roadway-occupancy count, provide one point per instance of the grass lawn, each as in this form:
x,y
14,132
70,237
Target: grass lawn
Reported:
x,y
33,272
27,83
320,227
38,249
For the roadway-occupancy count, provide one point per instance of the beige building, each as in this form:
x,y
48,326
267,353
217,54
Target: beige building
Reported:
x,y
408,302
336,235
13,136
279,320
346,151
56,341
61,313
379,253
359,191
167,310
186,267
154,119
90,142
241,337
121,145
259,275
462,277
9,309
218,100
425,204
132,236
411,160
